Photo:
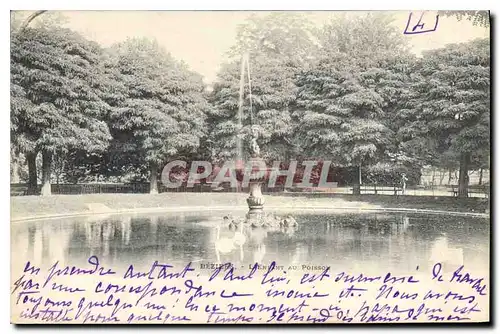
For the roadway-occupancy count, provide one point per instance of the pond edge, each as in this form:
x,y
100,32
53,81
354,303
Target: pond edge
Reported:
x,y
232,208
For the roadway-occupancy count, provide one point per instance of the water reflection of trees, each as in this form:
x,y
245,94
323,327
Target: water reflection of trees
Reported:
x,y
394,240
323,240
451,234
367,240
125,240
43,244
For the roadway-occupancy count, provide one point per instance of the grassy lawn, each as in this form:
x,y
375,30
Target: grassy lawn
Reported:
x,y
444,203
31,206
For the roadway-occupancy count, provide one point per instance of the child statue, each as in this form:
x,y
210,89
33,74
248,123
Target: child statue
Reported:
x,y
254,147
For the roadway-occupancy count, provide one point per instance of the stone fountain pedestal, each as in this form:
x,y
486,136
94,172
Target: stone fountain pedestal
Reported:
x,y
256,216
255,200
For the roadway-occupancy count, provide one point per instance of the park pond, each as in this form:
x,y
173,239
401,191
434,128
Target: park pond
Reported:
x,y
371,242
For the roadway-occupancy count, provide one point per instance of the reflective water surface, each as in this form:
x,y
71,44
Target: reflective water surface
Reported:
x,y
345,242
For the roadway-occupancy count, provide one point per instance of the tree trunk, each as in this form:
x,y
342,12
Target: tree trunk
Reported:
x,y
480,176
449,176
15,171
463,175
32,174
30,18
360,180
46,169
153,185
441,177
356,189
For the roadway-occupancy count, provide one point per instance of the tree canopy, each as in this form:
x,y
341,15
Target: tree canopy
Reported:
x,y
450,103
477,17
452,96
350,92
57,93
348,98
162,111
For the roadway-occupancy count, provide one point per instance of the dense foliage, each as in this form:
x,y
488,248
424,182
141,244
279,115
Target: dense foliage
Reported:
x,y
477,17
348,99
162,112
451,103
350,92
57,95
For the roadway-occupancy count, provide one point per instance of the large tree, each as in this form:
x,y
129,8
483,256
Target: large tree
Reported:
x,y
19,21
390,78
346,99
451,103
340,118
364,38
57,93
162,112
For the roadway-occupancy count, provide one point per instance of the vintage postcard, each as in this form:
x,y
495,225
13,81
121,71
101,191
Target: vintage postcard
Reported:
x,y
222,167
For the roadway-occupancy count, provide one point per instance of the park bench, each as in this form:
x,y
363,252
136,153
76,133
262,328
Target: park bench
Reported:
x,y
18,190
222,187
378,189
21,189
475,189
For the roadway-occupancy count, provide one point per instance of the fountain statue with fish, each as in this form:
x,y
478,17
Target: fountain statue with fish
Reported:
x,y
256,217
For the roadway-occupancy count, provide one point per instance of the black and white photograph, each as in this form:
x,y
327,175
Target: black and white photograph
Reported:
x,y
250,167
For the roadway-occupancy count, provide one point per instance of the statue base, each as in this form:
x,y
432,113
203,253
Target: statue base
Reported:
x,y
255,201
256,216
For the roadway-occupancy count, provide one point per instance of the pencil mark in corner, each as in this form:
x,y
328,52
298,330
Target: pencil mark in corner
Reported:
x,y
421,26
